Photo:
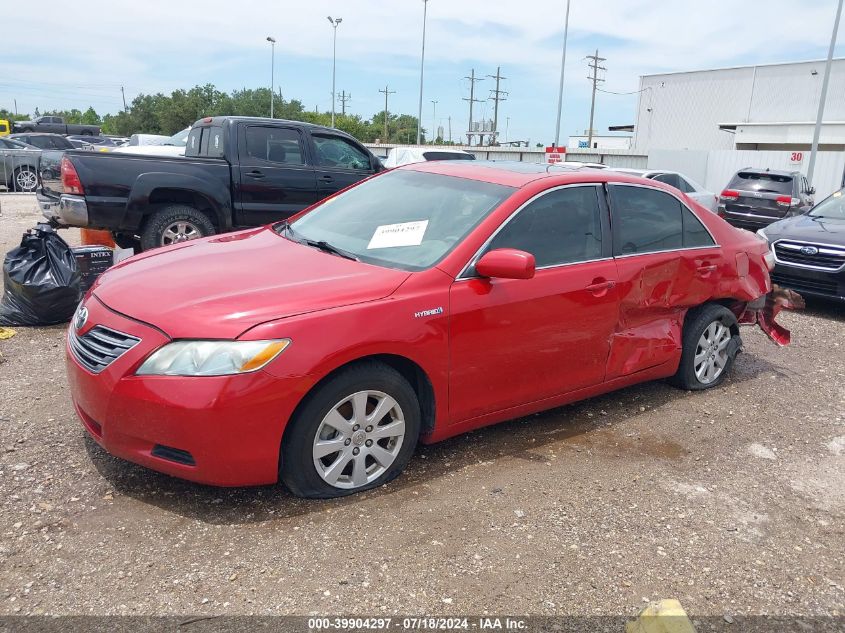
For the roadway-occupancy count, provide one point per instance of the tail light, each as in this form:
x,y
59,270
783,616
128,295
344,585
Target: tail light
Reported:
x,y
787,201
70,179
730,194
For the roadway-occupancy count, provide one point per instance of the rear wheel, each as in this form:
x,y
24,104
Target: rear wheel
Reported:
x,y
710,345
356,432
24,179
174,224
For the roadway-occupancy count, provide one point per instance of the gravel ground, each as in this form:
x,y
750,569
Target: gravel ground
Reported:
x,y
731,501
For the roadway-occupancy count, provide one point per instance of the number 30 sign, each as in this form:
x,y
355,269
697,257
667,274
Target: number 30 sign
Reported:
x,y
796,158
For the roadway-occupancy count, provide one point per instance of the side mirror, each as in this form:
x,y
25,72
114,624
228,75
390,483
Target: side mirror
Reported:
x,y
506,263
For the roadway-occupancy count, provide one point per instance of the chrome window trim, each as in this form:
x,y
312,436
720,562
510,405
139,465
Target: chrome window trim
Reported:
x,y
840,250
463,275
683,204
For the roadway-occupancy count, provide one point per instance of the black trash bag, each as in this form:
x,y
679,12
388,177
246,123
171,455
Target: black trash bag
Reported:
x,y
41,282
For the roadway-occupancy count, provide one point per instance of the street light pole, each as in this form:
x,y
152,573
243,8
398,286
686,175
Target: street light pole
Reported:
x,y
334,24
434,122
562,68
272,70
823,97
422,66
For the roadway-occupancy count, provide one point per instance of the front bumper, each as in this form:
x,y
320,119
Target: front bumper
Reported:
x,y
67,210
816,283
230,426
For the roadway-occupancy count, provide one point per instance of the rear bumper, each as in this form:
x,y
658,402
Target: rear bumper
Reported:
x,y
750,221
816,283
67,210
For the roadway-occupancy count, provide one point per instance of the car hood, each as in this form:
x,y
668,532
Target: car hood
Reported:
x,y
220,287
809,229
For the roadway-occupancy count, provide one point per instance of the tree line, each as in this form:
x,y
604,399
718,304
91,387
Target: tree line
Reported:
x,y
167,114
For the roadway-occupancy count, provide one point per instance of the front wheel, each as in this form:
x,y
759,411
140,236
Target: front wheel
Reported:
x,y
174,224
25,179
710,345
356,432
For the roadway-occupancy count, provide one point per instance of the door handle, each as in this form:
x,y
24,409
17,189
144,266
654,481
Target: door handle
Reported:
x,y
326,178
706,269
600,286
255,173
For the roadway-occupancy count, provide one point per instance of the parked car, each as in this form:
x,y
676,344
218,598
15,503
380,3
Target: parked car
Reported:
x,y
18,165
706,199
57,125
425,302
146,139
5,127
809,249
754,198
104,141
398,156
81,144
171,146
44,141
575,164
237,172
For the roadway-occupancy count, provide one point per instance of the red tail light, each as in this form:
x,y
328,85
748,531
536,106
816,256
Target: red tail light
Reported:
x,y
70,179
730,194
784,201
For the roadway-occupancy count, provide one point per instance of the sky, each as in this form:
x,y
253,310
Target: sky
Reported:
x,y
161,45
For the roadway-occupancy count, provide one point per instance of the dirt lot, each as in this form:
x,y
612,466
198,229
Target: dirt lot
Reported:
x,y
731,501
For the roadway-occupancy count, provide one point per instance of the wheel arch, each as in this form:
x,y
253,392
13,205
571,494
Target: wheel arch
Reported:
x,y
153,190
407,368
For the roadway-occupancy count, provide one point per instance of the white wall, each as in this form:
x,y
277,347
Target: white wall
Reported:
x,y
713,169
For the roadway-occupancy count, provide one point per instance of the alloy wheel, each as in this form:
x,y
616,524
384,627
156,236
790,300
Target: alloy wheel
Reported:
x,y
180,231
26,180
711,353
359,439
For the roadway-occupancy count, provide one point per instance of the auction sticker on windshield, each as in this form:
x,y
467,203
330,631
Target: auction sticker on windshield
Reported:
x,y
402,234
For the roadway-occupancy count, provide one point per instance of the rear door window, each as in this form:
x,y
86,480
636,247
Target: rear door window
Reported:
x,y
761,182
211,144
695,235
275,145
192,148
645,220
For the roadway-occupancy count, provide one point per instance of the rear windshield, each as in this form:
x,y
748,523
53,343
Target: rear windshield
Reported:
x,y
447,156
762,182
205,141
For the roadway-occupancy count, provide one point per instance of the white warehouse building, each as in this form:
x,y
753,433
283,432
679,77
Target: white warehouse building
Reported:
x,y
764,107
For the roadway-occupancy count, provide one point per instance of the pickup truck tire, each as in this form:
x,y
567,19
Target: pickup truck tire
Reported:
x,y
87,133
173,224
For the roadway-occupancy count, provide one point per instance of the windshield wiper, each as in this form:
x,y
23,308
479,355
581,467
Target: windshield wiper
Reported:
x,y
323,245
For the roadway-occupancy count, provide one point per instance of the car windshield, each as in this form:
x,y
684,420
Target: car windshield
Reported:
x,y
762,182
180,139
401,219
832,207
18,144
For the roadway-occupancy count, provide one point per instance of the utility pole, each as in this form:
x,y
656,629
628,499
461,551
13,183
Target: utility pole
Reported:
x,y
823,97
122,94
471,100
562,68
497,96
16,104
507,126
594,66
386,92
422,67
450,127
434,121
343,98
272,41
335,24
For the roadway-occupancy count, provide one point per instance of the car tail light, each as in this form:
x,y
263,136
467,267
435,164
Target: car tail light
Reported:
x,y
70,179
730,194
786,201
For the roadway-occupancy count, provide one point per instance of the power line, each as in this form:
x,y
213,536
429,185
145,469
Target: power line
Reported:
x,y
594,66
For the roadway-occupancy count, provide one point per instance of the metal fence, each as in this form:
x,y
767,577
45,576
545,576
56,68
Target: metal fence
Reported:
x,y
19,170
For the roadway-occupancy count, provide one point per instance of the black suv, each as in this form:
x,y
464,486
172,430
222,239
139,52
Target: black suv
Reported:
x,y
755,198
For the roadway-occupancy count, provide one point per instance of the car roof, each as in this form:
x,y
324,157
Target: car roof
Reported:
x,y
17,134
217,120
517,174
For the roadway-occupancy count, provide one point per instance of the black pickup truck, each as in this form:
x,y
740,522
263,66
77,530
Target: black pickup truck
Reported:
x,y
237,172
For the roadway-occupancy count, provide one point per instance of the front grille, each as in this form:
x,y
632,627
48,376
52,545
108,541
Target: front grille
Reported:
x,y
830,258
822,286
99,347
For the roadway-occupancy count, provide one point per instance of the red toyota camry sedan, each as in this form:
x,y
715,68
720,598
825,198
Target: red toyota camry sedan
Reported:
x,y
422,303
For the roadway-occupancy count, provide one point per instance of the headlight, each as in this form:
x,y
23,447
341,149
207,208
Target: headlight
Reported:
x,y
211,358
762,233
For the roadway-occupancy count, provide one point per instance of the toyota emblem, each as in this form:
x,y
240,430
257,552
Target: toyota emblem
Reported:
x,y
81,318
809,250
